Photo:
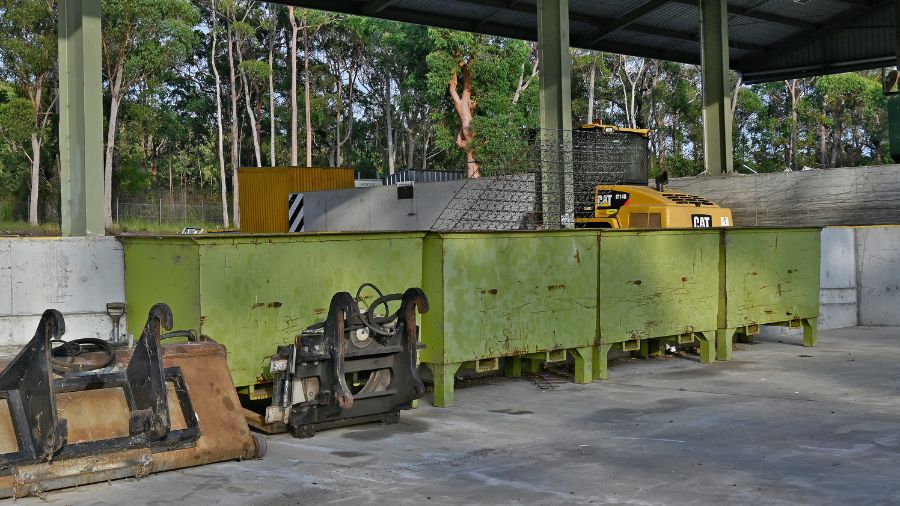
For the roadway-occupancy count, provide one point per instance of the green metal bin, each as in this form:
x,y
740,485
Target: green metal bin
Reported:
x,y
770,277
253,293
656,286
528,295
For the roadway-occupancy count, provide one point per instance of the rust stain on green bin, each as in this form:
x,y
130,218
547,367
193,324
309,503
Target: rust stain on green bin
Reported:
x,y
769,276
255,292
656,284
507,294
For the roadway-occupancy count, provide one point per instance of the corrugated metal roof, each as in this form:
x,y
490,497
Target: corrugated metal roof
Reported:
x,y
769,39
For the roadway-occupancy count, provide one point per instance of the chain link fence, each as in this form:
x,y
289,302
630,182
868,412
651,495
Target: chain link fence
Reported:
x,y
544,179
162,212
167,212
11,210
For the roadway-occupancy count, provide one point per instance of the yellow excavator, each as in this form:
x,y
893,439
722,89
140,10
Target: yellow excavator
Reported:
x,y
629,202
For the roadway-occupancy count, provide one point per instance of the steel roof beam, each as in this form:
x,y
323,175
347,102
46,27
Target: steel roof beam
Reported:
x,y
620,22
760,15
835,24
376,6
496,12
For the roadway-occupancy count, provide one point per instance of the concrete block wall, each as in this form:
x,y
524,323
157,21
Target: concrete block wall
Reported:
x,y
77,276
878,275
826,197
838,300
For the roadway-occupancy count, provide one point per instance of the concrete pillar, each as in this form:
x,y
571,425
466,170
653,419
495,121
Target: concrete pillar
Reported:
x,y
717,149
556,113
80,118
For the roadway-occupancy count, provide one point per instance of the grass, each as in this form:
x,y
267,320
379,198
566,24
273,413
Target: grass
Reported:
x,y
150,227
154,227
26,229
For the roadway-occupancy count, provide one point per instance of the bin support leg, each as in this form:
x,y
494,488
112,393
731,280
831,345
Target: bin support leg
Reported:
x,y
513,367
724,342
584,370
601,361
707,348
809,331
743,337
650,348
532,365
444,374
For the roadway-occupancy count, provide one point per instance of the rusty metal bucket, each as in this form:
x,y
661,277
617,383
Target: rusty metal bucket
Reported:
x,y
154,408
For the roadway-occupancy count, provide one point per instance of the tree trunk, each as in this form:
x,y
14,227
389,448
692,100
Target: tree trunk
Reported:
x,y
294,142
339,145
410,142
255,130
823,146
272,32
338,118
660,137
465,110
35,178
525,82
257,150
837,134
306,78
391,153
591,80
425,142
235,133
115,102
735,94
793,87
221,136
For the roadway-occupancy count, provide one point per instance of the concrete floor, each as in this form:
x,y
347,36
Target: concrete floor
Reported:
x,y
781,424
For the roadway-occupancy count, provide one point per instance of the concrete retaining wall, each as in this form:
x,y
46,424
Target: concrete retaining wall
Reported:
x,y
838,298
878,275
828,197
77,276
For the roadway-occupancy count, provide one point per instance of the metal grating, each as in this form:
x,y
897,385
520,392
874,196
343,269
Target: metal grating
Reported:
x,y
543,179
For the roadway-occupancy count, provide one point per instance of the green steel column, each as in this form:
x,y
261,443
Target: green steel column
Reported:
x,y
893,116
556,111
80,118
717,150
893,100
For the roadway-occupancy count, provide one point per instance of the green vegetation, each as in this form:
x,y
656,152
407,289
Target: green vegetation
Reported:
x,y
154,227
195,88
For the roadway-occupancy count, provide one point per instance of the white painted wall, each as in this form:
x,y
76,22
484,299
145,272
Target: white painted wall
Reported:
x,y
77,276
377,208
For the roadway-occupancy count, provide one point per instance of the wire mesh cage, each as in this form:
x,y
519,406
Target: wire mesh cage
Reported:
x,y
543,179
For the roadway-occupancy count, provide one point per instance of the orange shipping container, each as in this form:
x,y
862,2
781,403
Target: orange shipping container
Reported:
x,y
264,192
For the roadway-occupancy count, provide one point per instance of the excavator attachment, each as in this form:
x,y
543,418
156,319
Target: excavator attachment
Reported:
x,y
112,413
357,366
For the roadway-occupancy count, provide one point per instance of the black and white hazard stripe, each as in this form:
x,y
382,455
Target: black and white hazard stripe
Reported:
x,y
295,212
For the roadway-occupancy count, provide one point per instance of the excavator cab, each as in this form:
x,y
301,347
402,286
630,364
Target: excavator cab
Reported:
x,y
611,189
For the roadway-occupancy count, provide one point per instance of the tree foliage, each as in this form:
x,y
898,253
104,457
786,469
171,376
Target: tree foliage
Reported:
x,y
383,96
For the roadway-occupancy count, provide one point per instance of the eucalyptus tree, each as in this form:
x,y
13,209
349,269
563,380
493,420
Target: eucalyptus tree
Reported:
x,y
28,61
141,39
478,77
